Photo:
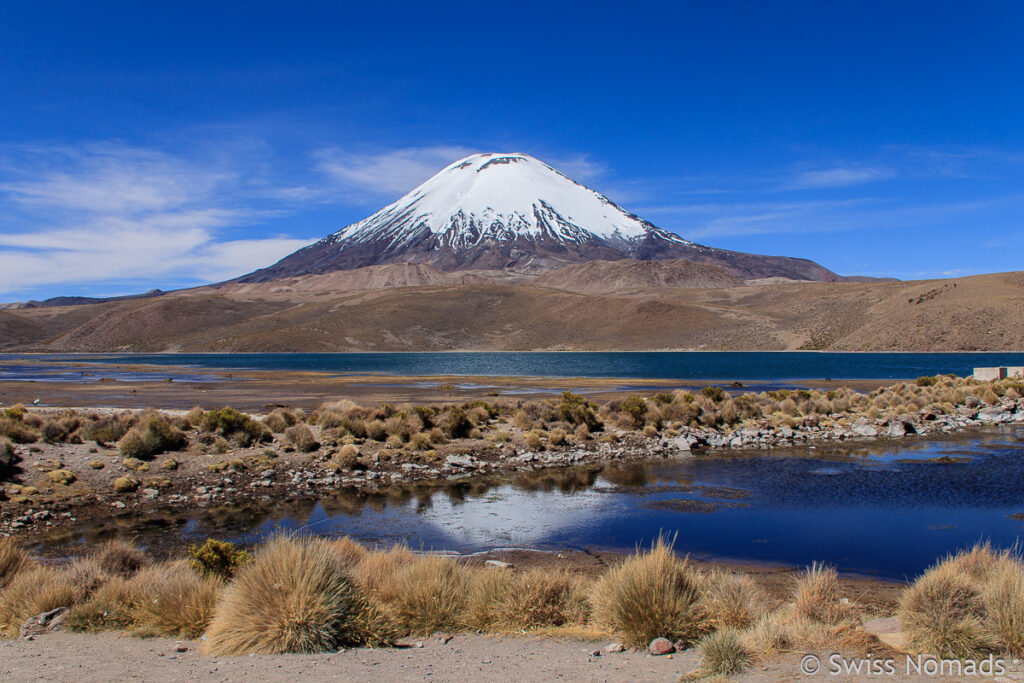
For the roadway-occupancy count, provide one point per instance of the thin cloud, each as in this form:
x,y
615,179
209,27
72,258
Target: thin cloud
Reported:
x,y
840,176
370,177
109,213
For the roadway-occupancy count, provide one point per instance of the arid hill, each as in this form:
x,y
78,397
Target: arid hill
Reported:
x,y
984,312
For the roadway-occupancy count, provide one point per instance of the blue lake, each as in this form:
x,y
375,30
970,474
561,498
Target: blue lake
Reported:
x,y
753,365
882,510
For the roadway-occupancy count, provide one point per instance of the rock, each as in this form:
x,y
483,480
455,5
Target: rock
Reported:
x,y
419,643
864,430
150,494
180,647
679,443
43,623
614,648
993,415
661,646
463,461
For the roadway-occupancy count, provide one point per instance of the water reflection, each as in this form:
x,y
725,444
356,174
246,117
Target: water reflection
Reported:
x,y
879,508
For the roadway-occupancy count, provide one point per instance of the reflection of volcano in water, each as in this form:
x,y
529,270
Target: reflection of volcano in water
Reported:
x,y
883,509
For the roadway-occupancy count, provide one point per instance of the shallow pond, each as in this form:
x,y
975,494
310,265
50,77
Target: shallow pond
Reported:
x,y
885,510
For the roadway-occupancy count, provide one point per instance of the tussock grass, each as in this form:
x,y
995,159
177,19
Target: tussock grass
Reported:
x,y
154,434
294,597
31,592
426,595
723,653
502,600
12,560
733,600
180,604
1003,600
651,595
349,552
817,596
120,558
943,615
302,438
113,605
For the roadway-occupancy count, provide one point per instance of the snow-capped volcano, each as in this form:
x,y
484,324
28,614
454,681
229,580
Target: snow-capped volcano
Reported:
x,y
500,197
505,211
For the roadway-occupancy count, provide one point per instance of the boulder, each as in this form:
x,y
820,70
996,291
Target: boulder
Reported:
x,y
464,461
864,430
614,648
661,646
43,623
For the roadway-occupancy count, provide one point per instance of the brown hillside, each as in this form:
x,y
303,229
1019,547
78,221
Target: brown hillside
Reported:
x,y
611,276
975,313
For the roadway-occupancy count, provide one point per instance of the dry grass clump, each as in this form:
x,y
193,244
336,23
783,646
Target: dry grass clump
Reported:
x,y
12,560
113,605
502,600
152,435
733,600
120,558
33,591
280,420
723,653
179,604
234,426
125,484
943,615
651,595
967,606
817,596
426,594
294,597
349,552
302,438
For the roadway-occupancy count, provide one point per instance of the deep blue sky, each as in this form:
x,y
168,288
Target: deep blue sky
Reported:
x,y
165,144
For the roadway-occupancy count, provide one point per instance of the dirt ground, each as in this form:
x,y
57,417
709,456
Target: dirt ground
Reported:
x,y
463,659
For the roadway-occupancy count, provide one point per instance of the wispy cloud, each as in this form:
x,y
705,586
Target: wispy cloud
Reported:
x,y
110,213
370,177
839,176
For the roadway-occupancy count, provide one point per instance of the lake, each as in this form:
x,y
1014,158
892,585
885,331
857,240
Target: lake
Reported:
x,y
878,509
753,365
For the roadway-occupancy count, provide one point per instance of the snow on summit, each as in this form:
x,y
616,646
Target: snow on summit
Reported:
x,y
500,197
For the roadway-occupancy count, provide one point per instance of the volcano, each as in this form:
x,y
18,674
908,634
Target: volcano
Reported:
x,y
513,212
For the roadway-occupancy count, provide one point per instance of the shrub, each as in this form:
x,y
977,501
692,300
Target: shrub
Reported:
x,y
458,424
61,476
97,464
279,420
294,597
723,653
119,558
151,436
303,439
238,427
376,430
420,441
125,484
926,381
16,431
220,559
651,595
635,407
169,464
344,459
533,440
716,394
12,560
942,615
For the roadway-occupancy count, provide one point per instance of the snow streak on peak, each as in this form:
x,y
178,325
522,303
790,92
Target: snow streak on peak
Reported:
x,y
501,198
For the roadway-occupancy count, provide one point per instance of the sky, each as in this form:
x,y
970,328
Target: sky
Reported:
x,y
163,145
